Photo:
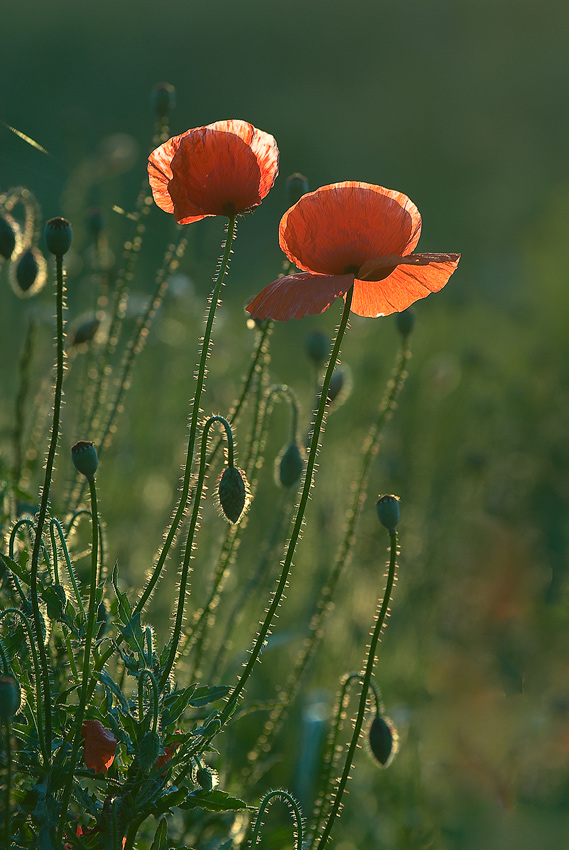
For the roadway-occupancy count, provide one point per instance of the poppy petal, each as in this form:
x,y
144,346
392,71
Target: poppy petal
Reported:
x,y
341,226
298,295
407,284
221,169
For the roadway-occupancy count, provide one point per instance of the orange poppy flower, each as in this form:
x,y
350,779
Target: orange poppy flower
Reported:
x,y
100,746
352,234
222,169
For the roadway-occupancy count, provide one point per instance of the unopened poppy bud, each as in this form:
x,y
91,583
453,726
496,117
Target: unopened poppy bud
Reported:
x,y
28,273
296,187
57,235
388,512
383,739
288,466
148,750
85,330
85,459
340,386
10,698
95,221
317,345
7,237
233,493
405,321
163,99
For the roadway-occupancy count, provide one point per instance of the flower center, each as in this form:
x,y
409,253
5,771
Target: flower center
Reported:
x,y
352,269
229,209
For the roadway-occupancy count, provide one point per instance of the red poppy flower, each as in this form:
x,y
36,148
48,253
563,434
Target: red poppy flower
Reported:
x,y
168,753
100,746
352,234
222,169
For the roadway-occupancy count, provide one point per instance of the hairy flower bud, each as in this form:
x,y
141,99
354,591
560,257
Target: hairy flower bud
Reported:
x,y
10,698
148,750
383,739
317,346
233,493
296,187
288,466
28,273
163,98
8,236
405,321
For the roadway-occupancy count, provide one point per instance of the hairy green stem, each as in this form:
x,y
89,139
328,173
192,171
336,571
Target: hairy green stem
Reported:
x,y
80,712
349,760
200,381
298,522
38,539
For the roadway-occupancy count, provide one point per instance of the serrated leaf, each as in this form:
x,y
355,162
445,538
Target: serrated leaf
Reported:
x,y
213,801
15,568
170,800
160,836
205,695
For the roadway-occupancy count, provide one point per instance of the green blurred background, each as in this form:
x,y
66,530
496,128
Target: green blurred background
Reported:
x,y
462,106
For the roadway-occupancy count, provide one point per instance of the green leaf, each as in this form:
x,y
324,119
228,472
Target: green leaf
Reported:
x,y
160,836
213,801
15,568
205,695
168,801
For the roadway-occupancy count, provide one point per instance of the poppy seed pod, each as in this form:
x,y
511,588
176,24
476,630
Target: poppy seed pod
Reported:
x,y
388,512
288,466
405,321
383,739
296,187
57,235
10,698
85,458
163,98
7,237
317,347
233,493
28,273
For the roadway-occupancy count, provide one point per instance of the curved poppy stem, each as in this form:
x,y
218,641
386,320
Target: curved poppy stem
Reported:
x,y
379,624
200,381
298,522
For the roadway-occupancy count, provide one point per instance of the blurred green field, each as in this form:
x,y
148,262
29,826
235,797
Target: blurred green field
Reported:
x,y
459,106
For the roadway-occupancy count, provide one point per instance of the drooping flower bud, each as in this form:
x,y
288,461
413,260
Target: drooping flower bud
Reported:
x,y
85,458
100,746
57,235
340,386
85,329
163,97
28,273
95,221
288,466
383,739
233,493
296,187
405,321
317,346
8,236
388,512
10,698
